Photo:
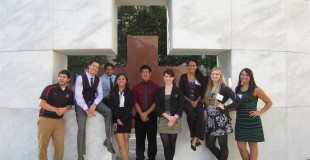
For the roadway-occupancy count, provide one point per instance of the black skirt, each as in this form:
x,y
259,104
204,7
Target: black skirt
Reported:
x,y
126,128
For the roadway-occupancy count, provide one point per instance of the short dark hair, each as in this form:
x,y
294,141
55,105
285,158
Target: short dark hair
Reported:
x,y
107,65
145,67
66,72
96,61
170,72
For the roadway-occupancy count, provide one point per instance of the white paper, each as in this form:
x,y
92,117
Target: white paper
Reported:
x,y
219,97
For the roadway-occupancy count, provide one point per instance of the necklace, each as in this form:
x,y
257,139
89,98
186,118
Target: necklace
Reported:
x,y
214,88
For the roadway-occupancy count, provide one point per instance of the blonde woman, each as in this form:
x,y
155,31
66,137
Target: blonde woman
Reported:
x,y
218,124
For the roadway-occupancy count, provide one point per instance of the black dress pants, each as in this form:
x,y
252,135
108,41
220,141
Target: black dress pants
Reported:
x,y
195,120
146,129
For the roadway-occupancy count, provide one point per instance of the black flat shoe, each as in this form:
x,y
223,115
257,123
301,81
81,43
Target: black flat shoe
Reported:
x,y
193,148
198,143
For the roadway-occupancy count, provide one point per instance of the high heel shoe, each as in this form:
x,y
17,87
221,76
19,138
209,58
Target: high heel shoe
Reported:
x,y
193,147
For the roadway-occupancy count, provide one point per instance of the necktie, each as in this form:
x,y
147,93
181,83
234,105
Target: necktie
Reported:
x,y
91,82
111,83
146,102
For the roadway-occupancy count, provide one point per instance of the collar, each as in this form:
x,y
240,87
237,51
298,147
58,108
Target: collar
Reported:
x,y
88,75
148,82
112,76
58,87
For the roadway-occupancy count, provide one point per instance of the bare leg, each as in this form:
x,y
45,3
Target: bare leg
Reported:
x,y
121,145
126,140
194,141
253,150
243,151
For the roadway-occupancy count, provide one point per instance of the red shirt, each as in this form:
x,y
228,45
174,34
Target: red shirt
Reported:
x,y
139,93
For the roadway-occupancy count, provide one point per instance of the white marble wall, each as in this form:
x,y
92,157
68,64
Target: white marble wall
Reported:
x,y
298,105
269,70
205,24
297,22
259,25
23,77
19,141
25,25
60,62
224,60
83,24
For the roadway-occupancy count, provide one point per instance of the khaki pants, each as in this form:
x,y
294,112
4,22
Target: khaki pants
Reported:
x,y
47,128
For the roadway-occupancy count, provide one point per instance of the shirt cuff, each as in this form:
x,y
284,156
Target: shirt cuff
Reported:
x,y
85,108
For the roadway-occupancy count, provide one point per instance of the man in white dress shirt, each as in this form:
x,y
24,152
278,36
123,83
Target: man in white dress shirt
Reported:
x,y
88,96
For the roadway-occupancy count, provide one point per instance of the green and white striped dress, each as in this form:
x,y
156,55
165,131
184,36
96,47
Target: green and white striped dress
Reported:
x,y
248,129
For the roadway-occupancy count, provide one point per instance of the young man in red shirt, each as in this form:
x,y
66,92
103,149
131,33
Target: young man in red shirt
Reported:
x,y
146,118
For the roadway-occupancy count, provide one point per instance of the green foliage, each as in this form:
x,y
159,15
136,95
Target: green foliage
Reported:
x,y
140,21
150,21
77,64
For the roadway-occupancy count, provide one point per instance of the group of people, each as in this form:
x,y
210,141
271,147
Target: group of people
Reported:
x,y
158,110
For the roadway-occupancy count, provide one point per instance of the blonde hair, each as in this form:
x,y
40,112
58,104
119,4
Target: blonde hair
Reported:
x,y
211,85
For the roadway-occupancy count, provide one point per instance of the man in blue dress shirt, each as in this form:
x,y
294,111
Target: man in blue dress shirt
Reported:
x,y
107,82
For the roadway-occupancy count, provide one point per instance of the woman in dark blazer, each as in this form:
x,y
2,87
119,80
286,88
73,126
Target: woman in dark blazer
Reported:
x,y
122,102
192,86
169,108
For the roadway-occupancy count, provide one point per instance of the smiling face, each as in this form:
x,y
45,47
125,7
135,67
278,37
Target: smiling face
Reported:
x,y
168,79
244,77
216,75
145,74
192,66
121,81
63,80
93,68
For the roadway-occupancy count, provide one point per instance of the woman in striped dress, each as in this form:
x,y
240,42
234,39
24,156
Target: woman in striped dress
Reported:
x,y
248,127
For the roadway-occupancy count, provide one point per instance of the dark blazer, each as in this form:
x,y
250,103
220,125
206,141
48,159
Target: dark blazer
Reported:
x,y
199,90
122,113
227,93
176,101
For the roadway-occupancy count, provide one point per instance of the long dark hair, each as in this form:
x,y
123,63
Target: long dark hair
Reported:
x,y
170,72
252,84
198,74
115,87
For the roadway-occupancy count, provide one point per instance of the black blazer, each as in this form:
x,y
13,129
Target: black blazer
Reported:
x,y
199,90
122,113
176,101
227,93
